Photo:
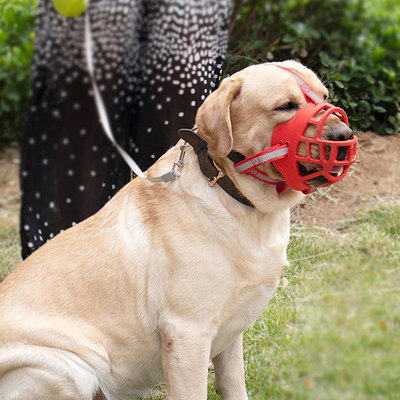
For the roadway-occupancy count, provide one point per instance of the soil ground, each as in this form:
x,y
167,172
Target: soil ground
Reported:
x,y
374,178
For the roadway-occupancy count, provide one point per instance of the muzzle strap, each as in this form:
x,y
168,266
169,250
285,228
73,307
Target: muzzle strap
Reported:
x,y
304,86
263,177
271,154
281,186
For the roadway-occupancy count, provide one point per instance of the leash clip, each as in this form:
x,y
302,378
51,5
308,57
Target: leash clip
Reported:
x,y
178,165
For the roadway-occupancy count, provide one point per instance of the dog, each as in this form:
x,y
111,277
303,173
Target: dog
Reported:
x,y
166,276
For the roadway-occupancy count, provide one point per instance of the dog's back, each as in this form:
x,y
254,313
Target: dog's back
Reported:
x,y
62,309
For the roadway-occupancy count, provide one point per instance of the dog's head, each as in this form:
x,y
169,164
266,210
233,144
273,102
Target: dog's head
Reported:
x,y
242,114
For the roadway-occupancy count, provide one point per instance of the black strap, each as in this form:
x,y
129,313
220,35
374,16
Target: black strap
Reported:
x,y
208,168
236,157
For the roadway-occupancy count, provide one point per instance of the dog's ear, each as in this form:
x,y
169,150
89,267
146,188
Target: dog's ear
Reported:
x,y
213,118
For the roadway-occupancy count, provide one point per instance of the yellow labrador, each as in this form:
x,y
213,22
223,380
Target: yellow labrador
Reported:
x,y
166,275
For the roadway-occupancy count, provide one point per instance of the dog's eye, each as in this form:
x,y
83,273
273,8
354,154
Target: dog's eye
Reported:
x,y
287,106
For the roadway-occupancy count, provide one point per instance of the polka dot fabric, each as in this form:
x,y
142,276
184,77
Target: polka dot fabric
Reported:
x,y
155,62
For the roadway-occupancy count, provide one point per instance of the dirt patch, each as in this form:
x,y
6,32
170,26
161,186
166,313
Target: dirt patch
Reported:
x,y
374,178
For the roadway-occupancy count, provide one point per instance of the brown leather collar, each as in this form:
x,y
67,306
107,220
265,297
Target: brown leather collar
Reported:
x,y
208,167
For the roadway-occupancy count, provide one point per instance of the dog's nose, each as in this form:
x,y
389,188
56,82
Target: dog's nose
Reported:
x,y
340,132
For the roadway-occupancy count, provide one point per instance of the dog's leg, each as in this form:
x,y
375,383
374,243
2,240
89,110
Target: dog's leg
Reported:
x,y
34,384
33,375
185,357
229,372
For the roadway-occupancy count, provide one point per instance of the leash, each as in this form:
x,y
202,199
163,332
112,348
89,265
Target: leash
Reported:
x,y
105,122
207,166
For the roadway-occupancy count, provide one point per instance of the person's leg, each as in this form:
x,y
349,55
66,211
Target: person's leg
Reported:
x,y
69,168
183,49
155,62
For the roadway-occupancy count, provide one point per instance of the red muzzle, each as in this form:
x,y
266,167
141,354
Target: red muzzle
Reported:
x,y
290,148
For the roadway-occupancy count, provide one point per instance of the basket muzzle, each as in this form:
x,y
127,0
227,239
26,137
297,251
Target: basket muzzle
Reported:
x,y
305,162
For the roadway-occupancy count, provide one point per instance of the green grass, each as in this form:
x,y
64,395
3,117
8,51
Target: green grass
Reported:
x,y
9,246
332,329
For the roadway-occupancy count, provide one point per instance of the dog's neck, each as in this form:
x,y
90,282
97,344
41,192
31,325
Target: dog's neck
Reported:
x,y
267,200
209,169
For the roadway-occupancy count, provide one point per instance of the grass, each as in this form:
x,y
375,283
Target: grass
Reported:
x,y
332,329
9,246
9,209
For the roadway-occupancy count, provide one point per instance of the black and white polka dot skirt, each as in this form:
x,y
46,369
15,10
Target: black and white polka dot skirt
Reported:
x,y
155,62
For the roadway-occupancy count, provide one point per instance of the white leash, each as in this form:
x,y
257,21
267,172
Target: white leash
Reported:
x,y
105,122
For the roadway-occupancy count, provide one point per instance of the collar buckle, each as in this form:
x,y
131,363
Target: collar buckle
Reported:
x,y
213,181
210,170
221,174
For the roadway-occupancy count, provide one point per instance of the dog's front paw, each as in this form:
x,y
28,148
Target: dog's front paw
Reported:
x,y
231,395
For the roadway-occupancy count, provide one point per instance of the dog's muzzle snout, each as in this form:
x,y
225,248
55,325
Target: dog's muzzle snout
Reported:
x,y
307,162
339,133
